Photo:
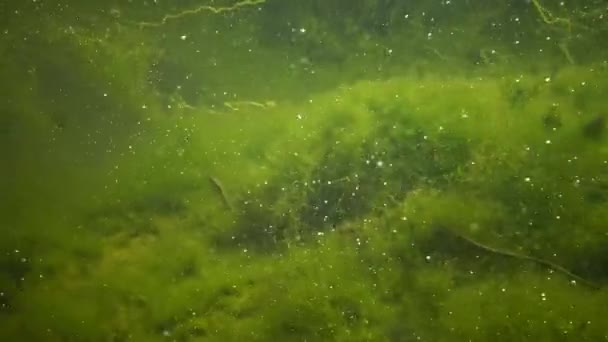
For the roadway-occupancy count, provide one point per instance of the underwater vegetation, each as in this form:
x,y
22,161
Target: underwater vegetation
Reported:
x,y
310,171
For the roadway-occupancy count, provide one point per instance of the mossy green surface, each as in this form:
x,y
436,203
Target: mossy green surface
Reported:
x,y
319,171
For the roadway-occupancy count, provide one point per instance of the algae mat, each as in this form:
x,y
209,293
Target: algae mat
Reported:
x,y
311,171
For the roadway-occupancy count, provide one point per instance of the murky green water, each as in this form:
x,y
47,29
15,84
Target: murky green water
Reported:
x,y
320,170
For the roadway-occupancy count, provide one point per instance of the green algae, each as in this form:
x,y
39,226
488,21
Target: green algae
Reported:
x,y
371,191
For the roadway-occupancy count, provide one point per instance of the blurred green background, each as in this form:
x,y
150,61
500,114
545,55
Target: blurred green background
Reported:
x,y
313,170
